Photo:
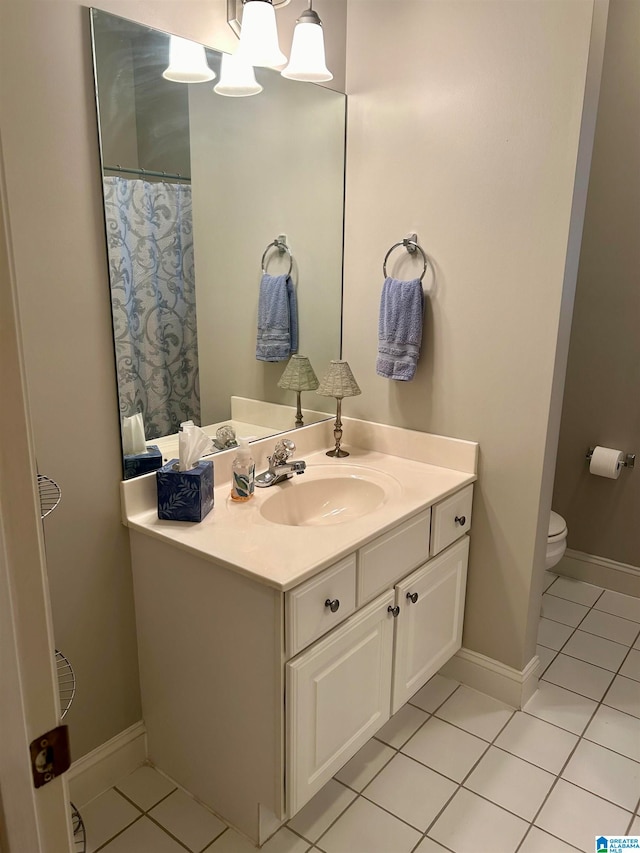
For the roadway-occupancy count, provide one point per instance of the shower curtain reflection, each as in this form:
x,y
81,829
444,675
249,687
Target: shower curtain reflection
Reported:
x,y
150,247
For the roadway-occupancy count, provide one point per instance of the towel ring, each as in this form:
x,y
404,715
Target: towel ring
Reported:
x,y
282,247
411,246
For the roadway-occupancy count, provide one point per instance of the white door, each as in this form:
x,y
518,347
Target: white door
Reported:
x,y
338,696
429,625
32,820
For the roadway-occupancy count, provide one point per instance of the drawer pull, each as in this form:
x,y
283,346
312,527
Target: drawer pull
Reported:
x,y
332,605
412,596
461,520
393,610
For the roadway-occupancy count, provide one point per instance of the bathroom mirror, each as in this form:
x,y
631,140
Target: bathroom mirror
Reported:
x,y
224,177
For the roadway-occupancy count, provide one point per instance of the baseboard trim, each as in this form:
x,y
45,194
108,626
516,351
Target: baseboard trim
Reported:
x,y
620,577
101,768
512,686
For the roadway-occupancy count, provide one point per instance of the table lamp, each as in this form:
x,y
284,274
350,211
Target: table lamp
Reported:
x,y
338,382
298,376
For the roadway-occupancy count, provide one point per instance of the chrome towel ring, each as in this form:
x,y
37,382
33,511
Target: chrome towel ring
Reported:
x,y
280,243
411,245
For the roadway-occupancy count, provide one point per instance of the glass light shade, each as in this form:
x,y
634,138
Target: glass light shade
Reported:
x,y
259,35
187,62
237,79
339,381
298,375
307,61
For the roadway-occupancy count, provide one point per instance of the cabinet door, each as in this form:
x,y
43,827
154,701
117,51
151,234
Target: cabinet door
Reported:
x,y
338,696
429,627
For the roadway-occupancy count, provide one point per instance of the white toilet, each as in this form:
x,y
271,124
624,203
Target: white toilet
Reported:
x,y
557,539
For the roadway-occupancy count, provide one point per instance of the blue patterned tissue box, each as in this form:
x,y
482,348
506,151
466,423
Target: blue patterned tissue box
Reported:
x,y
185,495
136,464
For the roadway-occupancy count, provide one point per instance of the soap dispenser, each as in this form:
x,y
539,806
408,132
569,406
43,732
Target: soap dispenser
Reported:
x,y
243,470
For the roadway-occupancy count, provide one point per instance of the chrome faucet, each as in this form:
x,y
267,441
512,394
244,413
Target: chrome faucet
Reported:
x,y
280,468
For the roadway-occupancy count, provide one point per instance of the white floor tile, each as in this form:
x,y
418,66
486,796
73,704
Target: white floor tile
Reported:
x,y
538,841
428,845
105,816
187,820
578,675
143,835
578,817
578,591
631,667
320,812
596,650
446,749
605,773
624,694
636,645
561,610
436,691
510,782
615,730
553,635
285,841
468,821
635,827
145,787
561,707
410,791
611,627
402,726
626,606
537,741
365,764
475,712
549,578
365,828
229,842
546,656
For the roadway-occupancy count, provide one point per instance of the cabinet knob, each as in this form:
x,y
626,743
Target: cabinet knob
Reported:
x,y
332,605
393,610
412,596
461,520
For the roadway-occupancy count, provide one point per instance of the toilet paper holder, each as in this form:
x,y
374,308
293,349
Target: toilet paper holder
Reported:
x,y
629,459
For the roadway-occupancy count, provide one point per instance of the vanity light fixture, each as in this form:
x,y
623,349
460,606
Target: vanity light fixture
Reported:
x,y
339,382
298,376
187,62
237,78
307,61
259,35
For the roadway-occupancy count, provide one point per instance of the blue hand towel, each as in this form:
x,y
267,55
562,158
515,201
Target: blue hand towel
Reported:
x,y
277,319
399,328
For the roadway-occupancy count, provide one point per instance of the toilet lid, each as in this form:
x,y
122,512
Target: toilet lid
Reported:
x,y
557,525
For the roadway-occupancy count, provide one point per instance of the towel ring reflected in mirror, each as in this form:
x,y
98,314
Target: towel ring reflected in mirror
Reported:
x,y
282,247
411,246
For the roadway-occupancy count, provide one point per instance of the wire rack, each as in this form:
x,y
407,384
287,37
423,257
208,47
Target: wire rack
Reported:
x,y
50,495
79,832
66,682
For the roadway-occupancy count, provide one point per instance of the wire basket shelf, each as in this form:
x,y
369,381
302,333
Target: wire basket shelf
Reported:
x,y
79,832
66,682
50,495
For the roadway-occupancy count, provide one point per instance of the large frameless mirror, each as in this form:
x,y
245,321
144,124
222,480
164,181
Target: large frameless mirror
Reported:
x,y
203,195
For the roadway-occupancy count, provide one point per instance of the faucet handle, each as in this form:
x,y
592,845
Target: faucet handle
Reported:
x,y
282,451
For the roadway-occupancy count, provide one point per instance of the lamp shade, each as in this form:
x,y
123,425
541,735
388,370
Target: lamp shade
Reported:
x,y
259,35
298,375
237,78
187,62
307,61
339,381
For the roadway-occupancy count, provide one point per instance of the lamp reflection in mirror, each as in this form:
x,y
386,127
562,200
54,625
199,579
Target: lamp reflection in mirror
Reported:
x,y
298,376
187,62
338,382
237,78
307,61
259,35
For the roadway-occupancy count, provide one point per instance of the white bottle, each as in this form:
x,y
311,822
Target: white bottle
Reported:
x,y
243,472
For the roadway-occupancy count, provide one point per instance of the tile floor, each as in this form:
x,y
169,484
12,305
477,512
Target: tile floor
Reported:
x,y
454,770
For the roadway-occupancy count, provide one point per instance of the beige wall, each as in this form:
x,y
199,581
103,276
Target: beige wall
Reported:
x,y
464,126
53,184
602,403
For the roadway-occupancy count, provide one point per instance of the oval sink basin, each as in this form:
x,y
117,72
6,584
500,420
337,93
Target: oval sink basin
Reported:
x,y
328,498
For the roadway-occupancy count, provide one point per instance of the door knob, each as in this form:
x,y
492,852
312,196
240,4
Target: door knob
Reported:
x,y
332,605
412,596
461,520
393,610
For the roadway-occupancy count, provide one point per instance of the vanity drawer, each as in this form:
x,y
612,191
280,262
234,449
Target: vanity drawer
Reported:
x,y
451,518
389,557
308,612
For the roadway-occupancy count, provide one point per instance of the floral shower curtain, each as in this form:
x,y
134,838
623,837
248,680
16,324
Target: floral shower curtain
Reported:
x,y
150,246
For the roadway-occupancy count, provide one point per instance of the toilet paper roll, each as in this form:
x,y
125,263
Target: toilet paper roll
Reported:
x,y
606,462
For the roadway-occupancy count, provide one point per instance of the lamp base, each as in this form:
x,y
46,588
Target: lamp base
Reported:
x,y
337,451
